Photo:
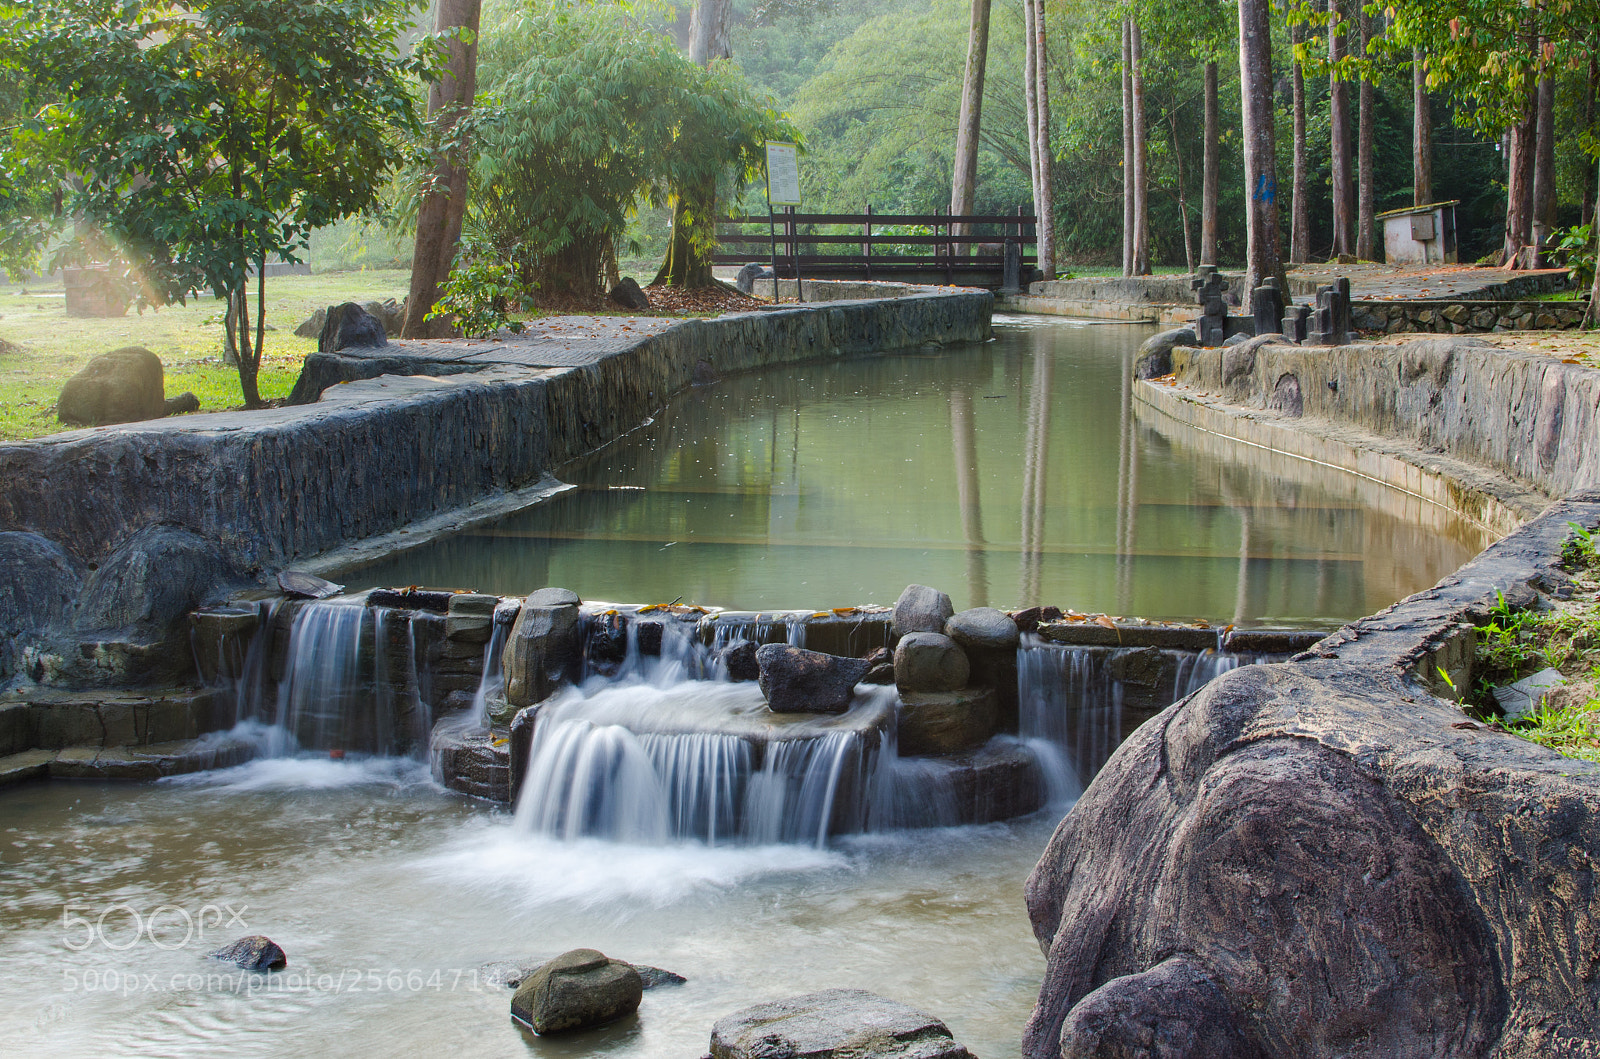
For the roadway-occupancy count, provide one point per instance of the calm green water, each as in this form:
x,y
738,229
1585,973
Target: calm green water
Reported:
x,y
1008,474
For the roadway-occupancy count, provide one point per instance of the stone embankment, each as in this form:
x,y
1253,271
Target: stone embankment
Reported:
x,y
109,537
1328,857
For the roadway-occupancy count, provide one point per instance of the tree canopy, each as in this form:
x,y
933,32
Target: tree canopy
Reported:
x,y
199,140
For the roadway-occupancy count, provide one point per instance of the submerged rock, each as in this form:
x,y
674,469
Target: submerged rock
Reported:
x,y
795,680
739,659
577,990
921,609
839,1023
254,953
930,661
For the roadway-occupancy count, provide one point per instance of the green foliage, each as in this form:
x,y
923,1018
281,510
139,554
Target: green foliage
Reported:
x,y
1573,731
482,291
1574,247
1508,643
1580,551
591,115
203,138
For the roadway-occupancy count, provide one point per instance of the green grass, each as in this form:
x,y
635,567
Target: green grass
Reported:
x,y
1103,271
41,346
1513,644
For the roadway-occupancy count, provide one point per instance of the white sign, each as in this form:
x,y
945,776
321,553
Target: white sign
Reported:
x,y
783,174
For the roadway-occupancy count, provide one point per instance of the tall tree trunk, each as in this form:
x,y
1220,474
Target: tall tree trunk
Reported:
x,y
1030,94
1592,166
1044,204
1366,188
1183,197
1544,169
1300,209
1421,133
1592,317
444,202
708,32
963,182
1519,188
1339,120
1260,151
687,265
1127,148
1141,158
1212,171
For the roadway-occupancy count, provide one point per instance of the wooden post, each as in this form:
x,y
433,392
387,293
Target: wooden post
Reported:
x,y
866,248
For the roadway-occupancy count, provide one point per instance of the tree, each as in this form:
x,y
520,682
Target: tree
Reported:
x,y
1367,186
1300,215
965,175
597,113
1129,195
1339,119
1421,133
207,138
1211,179
1036,88
1260,152
688,260
444,196
1141,152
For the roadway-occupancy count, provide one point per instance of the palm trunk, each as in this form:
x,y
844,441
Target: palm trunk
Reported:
x,y
1260,165
1127,149
1544,170
1339,120
965,177
1421,133
1141,158
1210,178
1366,188
1300,210
444,203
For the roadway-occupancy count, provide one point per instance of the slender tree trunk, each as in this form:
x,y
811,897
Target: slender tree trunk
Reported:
x,y
1030,94
1592,167
1211,175
1421,133
1141,160
1183,198
1592,318
444,202
1127,148
1045,196
1300,209
687,265
1339,120
1519,188
1260,154
964,181
1544,169
1366,189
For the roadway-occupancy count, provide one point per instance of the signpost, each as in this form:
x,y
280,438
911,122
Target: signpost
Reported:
x,y
783,189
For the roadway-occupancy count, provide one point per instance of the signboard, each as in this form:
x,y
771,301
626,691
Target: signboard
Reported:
x,y
783,174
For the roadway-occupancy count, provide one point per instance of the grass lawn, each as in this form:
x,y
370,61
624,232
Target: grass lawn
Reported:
x,y
41,346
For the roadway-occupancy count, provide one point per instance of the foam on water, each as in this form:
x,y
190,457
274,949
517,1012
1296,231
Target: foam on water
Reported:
x,y
309,772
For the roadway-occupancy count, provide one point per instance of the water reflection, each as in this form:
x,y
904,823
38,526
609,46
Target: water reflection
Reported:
x,y
1017,472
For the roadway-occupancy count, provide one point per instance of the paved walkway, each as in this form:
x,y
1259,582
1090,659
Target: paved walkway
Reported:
x,y
1371,282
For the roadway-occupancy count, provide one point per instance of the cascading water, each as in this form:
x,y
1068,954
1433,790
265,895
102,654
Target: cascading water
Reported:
x,y
1077,699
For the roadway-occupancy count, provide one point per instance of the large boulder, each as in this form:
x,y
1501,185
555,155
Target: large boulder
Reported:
x,y
795,680
1154,358
745,281
146,588
123,386
575,991
39,583
833,1024
628,294
388,312
921,609
930,661
983,628
350,325
738,660
946,722
544,643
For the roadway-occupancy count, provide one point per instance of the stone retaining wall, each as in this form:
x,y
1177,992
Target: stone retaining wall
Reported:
x,y
253,492
1464,317
1524,416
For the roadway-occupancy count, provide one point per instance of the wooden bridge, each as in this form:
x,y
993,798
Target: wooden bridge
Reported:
x,y
997,250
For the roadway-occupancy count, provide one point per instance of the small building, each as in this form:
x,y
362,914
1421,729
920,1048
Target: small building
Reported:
x,y
1420,235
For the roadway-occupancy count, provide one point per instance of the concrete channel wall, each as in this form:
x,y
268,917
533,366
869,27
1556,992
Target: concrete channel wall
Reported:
x,y
105,530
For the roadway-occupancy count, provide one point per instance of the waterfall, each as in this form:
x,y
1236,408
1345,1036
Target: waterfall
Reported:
x,y
653,761
1083,701
493,681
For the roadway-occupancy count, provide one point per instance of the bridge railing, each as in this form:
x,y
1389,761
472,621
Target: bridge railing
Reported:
x,y
790,241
